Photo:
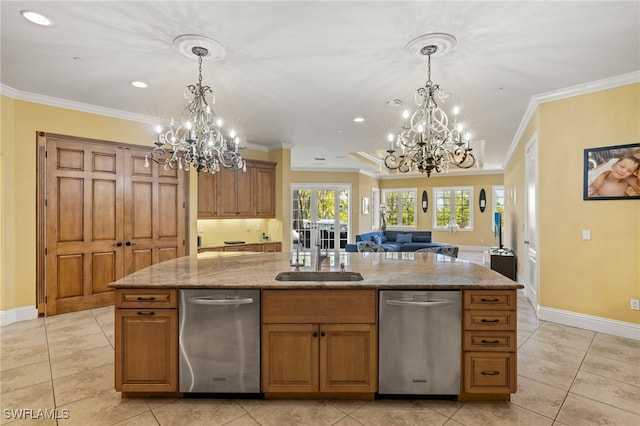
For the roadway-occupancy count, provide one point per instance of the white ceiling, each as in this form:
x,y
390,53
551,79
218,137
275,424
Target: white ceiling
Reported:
x,y
296,73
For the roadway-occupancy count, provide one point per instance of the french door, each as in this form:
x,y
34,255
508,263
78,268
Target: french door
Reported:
x,y
104,215
320,216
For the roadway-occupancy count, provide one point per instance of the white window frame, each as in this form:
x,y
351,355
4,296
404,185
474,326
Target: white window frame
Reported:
x,y
452,190
415,206
375,208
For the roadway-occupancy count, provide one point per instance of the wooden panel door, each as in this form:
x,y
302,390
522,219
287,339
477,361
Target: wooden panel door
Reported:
x,y
84,231
264,185
207,200
106,216
154,212
146,350
290,358
348,358
234,193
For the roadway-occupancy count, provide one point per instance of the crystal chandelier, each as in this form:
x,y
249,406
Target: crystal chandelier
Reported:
x,y
426,140
197,141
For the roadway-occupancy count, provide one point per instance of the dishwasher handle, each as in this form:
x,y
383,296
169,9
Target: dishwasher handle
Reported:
x,y
219,302
425,304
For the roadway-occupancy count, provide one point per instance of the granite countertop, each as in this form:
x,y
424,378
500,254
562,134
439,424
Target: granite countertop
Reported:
x,y
258,270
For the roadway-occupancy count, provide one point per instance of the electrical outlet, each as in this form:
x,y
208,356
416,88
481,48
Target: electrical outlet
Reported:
x,y
257,227
635,304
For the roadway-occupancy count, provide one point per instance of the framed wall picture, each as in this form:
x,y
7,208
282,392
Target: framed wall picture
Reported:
x,y
612,172
365,205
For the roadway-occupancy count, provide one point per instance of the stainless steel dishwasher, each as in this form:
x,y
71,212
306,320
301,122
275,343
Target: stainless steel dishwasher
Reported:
x,y
419,342
219,341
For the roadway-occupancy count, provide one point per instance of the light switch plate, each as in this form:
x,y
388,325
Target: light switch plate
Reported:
x,y
586,234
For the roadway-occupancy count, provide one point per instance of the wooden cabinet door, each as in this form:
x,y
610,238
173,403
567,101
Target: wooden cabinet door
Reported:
x,y
154,213
348,358
84,224
264,185
106,216
227,190
207,200
146,350
290,358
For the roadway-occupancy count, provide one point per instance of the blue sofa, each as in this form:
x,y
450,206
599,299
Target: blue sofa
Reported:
x,y
397,240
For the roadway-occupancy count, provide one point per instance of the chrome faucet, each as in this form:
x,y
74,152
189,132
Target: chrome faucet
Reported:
x,y
297,263
319,256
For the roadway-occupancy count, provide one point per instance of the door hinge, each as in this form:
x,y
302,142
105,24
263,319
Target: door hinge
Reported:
x,y
184,205
45,251
45,202
46,299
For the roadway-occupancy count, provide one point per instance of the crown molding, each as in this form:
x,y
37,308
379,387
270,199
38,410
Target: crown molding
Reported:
x,y
567,92
76,106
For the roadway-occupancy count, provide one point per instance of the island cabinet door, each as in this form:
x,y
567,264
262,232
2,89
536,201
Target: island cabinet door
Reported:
x,y
348,358
146,352
290,357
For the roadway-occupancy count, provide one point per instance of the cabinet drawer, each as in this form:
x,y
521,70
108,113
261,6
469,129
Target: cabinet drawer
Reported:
x,y
319,306
487,372
138,298
490,299
490,320
498,341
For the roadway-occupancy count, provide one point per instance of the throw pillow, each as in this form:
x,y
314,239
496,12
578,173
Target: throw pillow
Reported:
x,y
365,237
377,239
403,238
384,238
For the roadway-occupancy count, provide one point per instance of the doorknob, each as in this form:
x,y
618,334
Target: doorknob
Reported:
x,y
526,241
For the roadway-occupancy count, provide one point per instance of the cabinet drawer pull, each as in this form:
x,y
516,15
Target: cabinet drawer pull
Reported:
x,y
315,334
489,320
146,313
490,373
493,342
494,300
323,334
146,299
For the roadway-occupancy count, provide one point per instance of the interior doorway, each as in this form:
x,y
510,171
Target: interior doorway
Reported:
x,y
102,214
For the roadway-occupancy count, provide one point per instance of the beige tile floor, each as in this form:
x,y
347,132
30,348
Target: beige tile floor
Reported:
x,y
63,366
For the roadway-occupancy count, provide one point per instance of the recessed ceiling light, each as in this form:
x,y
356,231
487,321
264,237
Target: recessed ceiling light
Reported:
x,y
139,84
358,119
36,18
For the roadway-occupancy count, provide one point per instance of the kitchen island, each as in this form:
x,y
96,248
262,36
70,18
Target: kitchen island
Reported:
x,y
343,361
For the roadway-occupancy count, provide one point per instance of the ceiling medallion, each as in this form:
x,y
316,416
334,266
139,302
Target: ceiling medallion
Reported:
x,y
426,140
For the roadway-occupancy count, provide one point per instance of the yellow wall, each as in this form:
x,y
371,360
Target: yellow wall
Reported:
x,y
482,233
20,122
599,276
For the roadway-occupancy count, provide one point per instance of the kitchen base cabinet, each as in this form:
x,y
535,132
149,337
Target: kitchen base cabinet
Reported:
x,y
489,344
319,343
146,342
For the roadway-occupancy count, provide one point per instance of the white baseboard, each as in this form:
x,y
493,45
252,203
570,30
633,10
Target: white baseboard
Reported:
x,y
23,313
590,322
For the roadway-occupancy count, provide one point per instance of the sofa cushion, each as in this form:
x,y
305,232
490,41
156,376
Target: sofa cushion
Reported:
x,y
403,238
391,246
377,239
421,237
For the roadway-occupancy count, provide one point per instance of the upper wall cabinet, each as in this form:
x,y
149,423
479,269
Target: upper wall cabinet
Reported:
x,y
238,194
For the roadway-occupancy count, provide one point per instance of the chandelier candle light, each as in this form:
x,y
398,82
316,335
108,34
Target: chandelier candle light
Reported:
x,y
426,140
197,141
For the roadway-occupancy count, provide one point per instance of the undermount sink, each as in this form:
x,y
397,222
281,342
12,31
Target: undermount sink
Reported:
x,y
318,276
